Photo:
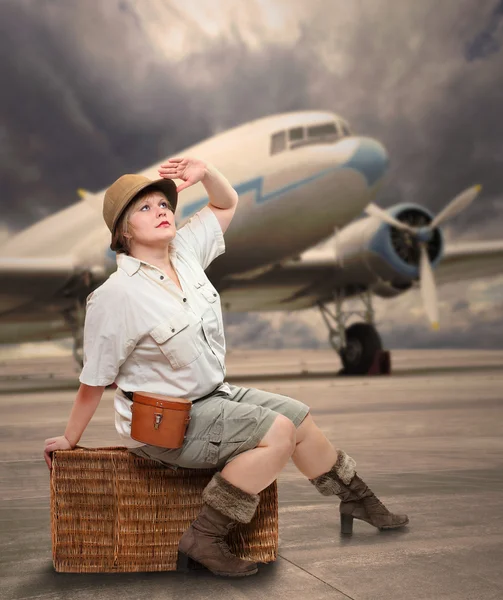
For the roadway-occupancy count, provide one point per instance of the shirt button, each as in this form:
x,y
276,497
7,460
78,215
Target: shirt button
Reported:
x,y
185,299
215,295
162,276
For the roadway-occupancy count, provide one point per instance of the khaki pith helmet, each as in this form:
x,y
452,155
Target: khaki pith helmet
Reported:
x,y
124,189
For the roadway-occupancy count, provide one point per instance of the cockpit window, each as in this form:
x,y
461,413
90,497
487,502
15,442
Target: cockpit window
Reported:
x,y
298,137
296,134
321,130
278,142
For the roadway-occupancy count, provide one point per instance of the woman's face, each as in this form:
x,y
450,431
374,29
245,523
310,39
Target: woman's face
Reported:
x,y
149,219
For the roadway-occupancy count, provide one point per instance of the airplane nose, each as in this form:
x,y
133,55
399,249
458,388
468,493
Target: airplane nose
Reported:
x,y
370,159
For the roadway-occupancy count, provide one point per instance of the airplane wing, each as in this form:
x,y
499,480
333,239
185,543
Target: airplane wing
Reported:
x,y
22,276
290,285
18,269
315,276
470,260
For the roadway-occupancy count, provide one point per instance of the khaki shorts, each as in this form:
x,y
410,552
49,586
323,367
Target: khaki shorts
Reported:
x,y
223,426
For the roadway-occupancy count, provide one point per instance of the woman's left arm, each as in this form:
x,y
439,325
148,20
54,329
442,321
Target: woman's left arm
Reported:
x,y
223,198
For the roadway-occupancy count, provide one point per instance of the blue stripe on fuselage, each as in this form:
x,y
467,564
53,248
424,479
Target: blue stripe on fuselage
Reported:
x,y
256,185
370,160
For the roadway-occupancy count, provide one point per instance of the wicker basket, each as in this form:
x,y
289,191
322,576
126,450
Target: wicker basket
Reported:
x,y
112,511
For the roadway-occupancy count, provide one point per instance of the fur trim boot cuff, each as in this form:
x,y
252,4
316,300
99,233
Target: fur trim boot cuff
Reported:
x,y
231,501
343,469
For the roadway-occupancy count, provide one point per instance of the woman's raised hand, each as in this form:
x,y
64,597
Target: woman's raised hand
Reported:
x,y
190,170
55,443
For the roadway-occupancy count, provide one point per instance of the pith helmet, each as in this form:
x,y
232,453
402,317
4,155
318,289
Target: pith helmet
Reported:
x,y
124,189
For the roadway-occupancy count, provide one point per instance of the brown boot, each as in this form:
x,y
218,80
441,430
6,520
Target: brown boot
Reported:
x,y
224,506
358,501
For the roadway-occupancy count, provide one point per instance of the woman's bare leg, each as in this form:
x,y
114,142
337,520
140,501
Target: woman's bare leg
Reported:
x,y
314,454
255,469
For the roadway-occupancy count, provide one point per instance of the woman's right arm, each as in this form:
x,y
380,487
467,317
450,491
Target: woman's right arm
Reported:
x,y
84,407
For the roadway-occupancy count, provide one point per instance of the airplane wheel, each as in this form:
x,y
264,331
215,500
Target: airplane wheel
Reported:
x,y
362,343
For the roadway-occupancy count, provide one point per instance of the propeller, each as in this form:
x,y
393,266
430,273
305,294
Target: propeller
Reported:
x,y
423,236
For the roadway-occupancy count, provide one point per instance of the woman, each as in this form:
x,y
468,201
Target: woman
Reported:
x,y
156,326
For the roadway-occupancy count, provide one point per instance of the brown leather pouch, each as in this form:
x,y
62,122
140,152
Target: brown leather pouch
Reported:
x,y
159,420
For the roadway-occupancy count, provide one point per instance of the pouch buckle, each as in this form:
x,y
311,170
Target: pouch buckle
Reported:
x,y
158,419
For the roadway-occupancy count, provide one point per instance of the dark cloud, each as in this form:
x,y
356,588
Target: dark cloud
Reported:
x,y
486,332
461,305
87,100
436,113
486,43
254,330
471,316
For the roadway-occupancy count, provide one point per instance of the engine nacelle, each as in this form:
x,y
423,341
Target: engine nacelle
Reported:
x,y
381,257
385,289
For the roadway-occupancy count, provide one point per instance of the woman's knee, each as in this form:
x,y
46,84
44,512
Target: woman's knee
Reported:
x,y
282,435
305,428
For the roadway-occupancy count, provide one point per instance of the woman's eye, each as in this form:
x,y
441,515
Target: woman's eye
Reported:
x,y
162,203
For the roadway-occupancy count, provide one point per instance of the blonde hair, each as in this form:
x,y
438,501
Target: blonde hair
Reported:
x,y
121,243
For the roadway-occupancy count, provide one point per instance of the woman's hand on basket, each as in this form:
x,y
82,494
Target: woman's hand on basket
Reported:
x,y
190,170
55,443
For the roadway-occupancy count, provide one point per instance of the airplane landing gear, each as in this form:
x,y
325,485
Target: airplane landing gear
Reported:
x,y
362,344
359,345
75,319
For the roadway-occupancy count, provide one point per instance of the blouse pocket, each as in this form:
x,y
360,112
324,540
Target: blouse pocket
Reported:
x,y
212,314
178,340
209,292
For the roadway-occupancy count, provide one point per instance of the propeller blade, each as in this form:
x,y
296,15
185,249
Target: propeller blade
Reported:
x,y
428,288
460,202
376,211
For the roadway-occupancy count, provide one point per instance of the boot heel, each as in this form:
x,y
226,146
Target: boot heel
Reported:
x,y
185,564
347,524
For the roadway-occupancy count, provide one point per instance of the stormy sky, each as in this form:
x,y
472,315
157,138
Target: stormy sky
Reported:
x,y
92,90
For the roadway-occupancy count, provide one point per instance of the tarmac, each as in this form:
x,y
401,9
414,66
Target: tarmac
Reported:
x,y
427,439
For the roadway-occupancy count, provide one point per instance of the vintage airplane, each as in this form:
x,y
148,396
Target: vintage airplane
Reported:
x,y
302,177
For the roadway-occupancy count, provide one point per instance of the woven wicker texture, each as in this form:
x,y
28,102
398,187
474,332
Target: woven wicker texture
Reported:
x,y
112,511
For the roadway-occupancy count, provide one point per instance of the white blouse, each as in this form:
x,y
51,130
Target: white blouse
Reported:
x,y
145,334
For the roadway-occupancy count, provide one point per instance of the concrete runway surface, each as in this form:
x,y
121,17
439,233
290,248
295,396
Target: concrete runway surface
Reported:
x,y
428,440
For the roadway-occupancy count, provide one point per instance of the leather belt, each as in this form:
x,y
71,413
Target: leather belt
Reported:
x,y
130,394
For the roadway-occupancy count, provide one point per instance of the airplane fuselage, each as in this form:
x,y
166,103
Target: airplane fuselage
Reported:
x,y
298,175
